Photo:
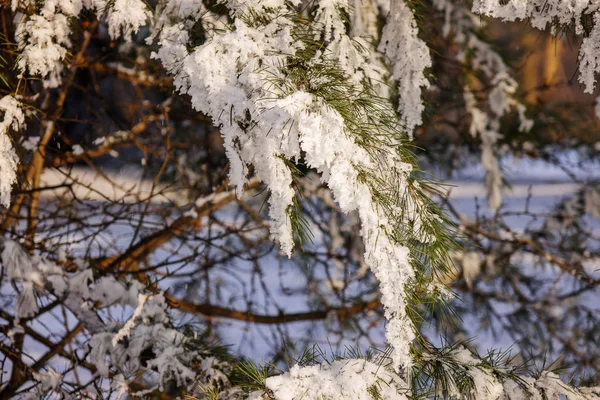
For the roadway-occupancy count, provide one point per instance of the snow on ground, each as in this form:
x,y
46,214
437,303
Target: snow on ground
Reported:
x,y
127,185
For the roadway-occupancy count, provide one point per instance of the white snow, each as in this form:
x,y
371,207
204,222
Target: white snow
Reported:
x,y
408,56
338,380
13,118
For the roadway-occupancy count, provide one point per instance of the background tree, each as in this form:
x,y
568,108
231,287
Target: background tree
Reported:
x,y
179,176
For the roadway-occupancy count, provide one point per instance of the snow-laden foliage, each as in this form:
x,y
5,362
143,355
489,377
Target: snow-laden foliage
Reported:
x,y
343,379
489,384
145,343
271,113
126,17
44,38
467,377
409,57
